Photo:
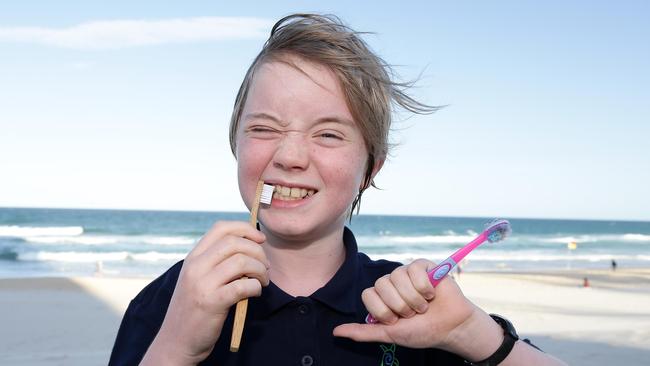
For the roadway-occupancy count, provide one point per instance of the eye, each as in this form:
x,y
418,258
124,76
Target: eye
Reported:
x,y
330,135
260,131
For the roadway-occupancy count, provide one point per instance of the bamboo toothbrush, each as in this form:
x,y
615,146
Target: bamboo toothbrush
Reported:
x,y
263,194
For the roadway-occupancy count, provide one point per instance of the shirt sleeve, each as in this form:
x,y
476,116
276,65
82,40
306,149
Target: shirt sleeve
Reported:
x,y
143,319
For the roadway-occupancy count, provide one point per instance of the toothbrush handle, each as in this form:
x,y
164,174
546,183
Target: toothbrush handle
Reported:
x,y
439,272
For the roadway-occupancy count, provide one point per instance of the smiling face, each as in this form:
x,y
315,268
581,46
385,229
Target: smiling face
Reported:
x,y
297,133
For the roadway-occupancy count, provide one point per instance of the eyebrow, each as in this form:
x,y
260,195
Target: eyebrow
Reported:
x,y
262,115
335,119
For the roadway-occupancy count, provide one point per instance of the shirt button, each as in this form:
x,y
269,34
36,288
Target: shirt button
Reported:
x,y
303,309
307,360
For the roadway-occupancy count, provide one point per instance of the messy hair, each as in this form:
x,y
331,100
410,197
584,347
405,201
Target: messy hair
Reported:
x,y
367,80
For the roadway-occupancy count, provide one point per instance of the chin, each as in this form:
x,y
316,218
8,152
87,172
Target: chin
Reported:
x,y
294,231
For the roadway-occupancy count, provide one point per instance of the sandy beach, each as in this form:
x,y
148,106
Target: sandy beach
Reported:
x,y
73,321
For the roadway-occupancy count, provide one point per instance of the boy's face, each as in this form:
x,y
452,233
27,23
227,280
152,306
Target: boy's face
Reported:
x,y
297,133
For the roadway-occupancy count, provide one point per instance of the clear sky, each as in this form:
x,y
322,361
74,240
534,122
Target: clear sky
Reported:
x,y
125,104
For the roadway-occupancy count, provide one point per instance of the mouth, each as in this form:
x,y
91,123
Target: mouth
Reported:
x,y
287,193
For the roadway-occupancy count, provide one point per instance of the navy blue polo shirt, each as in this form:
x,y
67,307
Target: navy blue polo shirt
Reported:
x,y
281,329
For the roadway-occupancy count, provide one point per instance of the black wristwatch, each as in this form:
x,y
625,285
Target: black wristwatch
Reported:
x,y
509,339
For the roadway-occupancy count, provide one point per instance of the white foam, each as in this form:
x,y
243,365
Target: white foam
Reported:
x,y
636,237
88,240
157,256
408,257
30,231
91,257
82,257
421,239
169,240
594,238
112,239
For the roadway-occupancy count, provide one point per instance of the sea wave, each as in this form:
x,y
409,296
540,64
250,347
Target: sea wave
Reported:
x,y
368,240
596,238
408,257
169,240
636,237
112,239
91,257
88,240
32,231
382,240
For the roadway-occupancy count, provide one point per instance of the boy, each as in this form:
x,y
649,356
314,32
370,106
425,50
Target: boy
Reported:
x,y
311,118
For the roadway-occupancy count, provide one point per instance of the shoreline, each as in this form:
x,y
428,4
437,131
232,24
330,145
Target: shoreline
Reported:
x,y
73,321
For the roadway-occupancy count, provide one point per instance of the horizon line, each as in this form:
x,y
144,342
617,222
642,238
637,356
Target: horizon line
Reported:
x,y
361,214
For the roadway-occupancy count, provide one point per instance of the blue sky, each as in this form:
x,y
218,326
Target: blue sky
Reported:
x,y
126,104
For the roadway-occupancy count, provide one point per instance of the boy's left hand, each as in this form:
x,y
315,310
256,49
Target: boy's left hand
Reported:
x,y
411,312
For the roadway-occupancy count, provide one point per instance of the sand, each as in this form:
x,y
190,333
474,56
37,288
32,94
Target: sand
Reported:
x,y
73,321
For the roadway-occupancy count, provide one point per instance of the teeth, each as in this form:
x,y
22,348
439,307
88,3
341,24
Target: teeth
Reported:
x,y
291,193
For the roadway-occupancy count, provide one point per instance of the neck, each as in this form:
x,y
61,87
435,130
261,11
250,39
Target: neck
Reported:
x,y
301,268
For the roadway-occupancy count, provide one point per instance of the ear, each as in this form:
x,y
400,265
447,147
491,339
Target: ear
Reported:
x,y
375,169
378,164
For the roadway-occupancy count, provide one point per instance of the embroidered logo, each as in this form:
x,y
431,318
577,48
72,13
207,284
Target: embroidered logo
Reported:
x,y
388,358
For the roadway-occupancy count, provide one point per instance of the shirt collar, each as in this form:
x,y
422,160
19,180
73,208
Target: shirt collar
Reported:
x,y
338,293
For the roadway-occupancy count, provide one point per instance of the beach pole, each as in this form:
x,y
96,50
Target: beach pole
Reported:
x,y
571,246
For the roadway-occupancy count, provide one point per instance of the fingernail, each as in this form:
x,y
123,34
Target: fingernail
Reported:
x,y
422,308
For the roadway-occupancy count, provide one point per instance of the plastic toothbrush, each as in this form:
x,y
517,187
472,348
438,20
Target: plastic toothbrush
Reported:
x,y
495,231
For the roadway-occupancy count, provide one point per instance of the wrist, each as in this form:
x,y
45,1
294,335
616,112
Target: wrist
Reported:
x,y
506,347
164,351
477,338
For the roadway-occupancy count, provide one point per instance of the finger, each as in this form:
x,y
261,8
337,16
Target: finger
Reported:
x,y
375,306
402,282
417,272
237,290
363,332
229,246
236,267
391,297
221,228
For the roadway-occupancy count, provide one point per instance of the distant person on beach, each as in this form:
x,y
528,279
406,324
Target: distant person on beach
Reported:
x,y
312,118
614,265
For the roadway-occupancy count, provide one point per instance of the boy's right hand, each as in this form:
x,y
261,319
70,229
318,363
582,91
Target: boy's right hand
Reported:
x,y
210,282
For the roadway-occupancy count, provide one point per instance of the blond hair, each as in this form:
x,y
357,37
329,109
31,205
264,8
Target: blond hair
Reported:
x,y
365,78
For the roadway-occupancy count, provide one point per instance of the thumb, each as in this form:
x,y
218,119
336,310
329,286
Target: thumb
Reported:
x,y
363,332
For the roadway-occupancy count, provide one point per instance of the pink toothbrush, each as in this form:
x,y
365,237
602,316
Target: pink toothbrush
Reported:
x,y
495,231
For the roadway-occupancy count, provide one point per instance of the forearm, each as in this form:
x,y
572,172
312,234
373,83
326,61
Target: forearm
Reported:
x,y
524,354
480,336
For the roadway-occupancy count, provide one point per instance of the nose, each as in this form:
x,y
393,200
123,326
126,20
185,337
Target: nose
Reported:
x,y
292,152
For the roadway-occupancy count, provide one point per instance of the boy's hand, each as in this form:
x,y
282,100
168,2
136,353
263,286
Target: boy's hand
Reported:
x,y
210,282
410,311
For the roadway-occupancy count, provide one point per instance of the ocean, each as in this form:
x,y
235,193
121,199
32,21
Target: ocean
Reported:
x,y
71,242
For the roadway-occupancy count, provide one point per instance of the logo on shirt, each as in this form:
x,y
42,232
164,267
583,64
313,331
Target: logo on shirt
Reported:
x,y
388,358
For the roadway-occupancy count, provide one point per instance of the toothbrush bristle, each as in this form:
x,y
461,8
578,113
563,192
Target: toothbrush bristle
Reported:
x,y
498,230
267,194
